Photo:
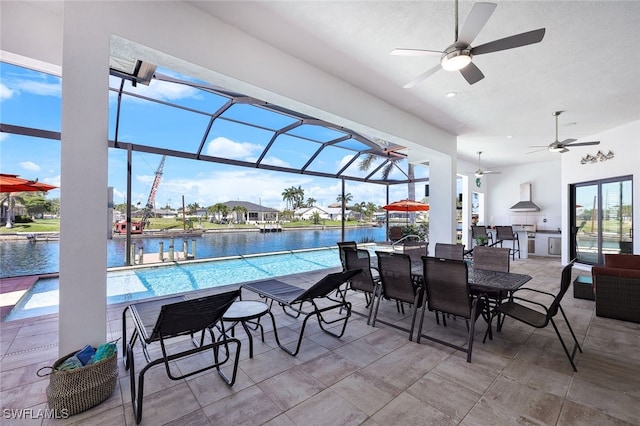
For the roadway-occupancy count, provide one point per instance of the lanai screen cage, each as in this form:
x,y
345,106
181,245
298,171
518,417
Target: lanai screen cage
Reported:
x,y
200,126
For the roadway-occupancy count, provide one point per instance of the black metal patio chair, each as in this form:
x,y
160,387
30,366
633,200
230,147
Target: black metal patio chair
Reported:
x,y
163,319
398,283
539,315
448,292
318,297
365,282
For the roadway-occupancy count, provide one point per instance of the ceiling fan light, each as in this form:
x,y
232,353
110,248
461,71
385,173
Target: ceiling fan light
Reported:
x,y
455,60
555,148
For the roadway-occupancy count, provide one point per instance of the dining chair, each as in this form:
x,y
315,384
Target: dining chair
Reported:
x,y
539,315
341,246
480,232
447,291
491,259
415,250
505,233
397,283
365,281
449,251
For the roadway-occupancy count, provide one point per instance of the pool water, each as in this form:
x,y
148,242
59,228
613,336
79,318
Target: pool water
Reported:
x,y
142,283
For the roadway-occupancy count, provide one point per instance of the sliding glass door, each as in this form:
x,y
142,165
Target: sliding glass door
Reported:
x,y
601,219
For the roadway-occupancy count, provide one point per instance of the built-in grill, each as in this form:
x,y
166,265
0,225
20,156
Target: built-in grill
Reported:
x,y
530,231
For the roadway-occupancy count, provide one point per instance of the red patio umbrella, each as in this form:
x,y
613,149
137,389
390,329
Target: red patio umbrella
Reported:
x,y
407,206
12,183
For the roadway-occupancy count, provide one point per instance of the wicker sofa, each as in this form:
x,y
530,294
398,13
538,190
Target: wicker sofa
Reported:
x,y
617,287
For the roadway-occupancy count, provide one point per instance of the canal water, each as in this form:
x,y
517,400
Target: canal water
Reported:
x,y
19,257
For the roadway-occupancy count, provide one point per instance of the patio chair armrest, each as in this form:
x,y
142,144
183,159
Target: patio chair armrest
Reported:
x,y
534,290
546,310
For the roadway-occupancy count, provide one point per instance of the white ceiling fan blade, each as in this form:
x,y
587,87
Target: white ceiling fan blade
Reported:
x,y
419,79
472,73
415,52
568,141
510,42
477,19
489,172
537,150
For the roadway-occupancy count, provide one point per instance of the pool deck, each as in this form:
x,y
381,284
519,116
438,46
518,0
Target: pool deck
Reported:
x,y
12,289
371,376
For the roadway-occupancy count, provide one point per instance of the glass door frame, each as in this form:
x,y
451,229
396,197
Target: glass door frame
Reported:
x,y
573,220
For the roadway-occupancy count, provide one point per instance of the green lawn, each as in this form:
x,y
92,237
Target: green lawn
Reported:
x,y
39,225
53,225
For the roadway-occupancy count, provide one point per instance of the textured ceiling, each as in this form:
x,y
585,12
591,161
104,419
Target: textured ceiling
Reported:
x,y
587,65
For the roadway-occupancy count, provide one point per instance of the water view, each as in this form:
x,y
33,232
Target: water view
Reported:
x,y
33,258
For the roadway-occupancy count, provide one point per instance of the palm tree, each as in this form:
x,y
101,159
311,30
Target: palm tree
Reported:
x,y
311,202
11,201
347,198
240,212
367,162
288,195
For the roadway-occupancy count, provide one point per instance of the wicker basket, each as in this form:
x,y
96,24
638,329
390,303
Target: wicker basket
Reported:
x,y
78,390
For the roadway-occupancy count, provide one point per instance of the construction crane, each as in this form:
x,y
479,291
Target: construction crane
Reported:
x,y
138,226
148,209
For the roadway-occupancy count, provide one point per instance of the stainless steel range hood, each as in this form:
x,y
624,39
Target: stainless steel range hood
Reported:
x,y
525,204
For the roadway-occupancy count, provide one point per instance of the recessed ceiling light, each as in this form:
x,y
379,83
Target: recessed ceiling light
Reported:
x,y
451,94
572,123
509,136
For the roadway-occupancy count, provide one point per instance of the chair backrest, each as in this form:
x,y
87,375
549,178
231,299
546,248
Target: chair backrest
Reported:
x,y
341,246
191,315
395,276
447,286
327,285
565,282
478,231
491,258
395,233
504,233
449,251
360,259
415,250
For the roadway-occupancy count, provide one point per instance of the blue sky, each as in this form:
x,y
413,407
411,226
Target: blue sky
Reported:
x,y
33,99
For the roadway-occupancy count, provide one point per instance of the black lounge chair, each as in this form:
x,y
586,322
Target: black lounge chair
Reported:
x,y
162,319
292,299
539,315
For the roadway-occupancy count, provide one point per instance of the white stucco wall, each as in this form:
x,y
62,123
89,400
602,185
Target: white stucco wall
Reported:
x,y
624,141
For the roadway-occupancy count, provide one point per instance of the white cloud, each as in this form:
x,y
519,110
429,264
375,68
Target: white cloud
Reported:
x,y
275,161
5,92
30,165
40,88
3,136
224,147
156,89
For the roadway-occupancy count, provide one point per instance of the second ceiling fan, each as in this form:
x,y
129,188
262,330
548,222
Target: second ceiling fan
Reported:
x,y
562,147
457,57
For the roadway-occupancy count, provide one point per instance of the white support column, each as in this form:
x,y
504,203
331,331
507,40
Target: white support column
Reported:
x,y
84,212
442,202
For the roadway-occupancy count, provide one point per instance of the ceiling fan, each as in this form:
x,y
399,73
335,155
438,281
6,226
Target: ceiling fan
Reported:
x,y
563,146
457,57
480,172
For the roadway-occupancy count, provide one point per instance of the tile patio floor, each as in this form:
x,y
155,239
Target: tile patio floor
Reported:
x,y
372,376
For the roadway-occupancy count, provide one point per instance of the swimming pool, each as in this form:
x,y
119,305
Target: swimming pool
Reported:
x,y
141,283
